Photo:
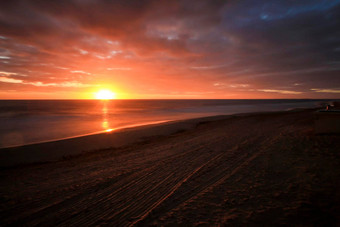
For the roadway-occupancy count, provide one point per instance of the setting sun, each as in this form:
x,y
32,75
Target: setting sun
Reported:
x,y
105,94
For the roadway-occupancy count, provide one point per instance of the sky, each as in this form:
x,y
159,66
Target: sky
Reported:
x,y
170,49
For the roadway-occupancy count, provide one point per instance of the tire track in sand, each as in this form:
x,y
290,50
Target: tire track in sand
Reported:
x,y
210,181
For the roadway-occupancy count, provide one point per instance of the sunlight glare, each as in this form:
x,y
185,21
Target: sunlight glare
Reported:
x,y
105,94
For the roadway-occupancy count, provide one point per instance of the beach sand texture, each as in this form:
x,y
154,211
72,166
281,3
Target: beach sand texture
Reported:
x,y
254,169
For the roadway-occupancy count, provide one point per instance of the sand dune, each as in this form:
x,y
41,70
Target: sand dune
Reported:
x,y
259,169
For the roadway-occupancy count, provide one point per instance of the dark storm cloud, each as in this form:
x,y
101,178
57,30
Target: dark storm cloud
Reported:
x,y
299,40
266,44
281,43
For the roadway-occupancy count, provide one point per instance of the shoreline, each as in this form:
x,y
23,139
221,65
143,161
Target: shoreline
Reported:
x,y
56,150
110,130
62,120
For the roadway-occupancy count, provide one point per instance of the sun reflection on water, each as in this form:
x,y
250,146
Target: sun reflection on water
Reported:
x,y
105,122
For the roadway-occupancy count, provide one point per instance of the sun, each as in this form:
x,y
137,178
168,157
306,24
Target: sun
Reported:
x,y
105,94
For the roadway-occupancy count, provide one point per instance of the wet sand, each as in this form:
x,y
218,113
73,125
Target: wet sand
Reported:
x,y
253,169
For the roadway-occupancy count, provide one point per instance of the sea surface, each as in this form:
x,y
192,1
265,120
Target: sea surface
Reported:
x,y
32,121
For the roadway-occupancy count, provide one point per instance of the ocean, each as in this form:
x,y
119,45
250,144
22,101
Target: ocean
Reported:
x,y
33,121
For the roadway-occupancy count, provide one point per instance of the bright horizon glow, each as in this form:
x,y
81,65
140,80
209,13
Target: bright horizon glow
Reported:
x,y
105,94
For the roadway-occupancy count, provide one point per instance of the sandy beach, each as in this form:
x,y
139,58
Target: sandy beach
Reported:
x,y
248,169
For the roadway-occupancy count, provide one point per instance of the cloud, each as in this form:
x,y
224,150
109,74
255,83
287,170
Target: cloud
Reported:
x,y
325,90
225,85
3,73
119,68
10,80
80,71
42,84
286,92
257,43
64,84
208,67
5,57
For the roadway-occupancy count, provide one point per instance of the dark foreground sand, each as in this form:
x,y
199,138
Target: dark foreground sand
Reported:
x,y
258,169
